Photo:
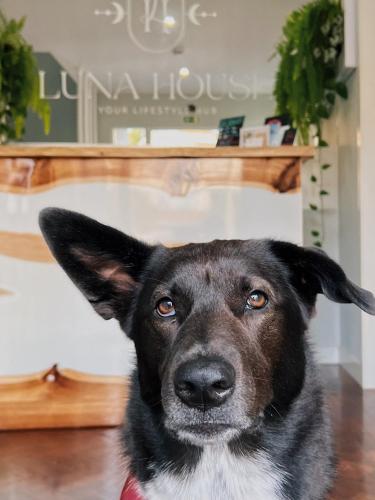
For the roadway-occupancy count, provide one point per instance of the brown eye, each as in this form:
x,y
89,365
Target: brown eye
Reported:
x,y
256,300
165,308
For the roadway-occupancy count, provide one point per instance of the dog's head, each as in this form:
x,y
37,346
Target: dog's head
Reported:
x,y
218,327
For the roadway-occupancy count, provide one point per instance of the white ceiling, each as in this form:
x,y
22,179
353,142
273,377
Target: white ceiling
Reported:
x,y
238,41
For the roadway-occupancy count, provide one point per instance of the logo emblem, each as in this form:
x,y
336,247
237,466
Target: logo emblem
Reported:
x,y
155,26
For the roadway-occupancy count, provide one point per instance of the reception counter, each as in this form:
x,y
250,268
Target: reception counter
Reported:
x,y
175,170
163,195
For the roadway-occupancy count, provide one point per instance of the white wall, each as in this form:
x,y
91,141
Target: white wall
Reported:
x,y
367,178
351,130
342,132
325,327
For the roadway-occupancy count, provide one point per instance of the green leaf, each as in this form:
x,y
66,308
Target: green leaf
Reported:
x,y
323,112
313,178
326,166
323,144
323,192
331,98
342,90
315,233
317,244
19,81
313,207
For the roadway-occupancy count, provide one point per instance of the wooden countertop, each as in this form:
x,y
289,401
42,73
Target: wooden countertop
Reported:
x,y
28,168
103,151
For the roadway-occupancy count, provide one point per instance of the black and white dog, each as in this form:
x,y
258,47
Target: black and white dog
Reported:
x,y
226,402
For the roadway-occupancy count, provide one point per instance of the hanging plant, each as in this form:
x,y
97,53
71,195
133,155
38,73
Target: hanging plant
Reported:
x,y
19,82
307,81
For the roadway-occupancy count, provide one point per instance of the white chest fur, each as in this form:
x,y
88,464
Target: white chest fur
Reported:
x,y
220,475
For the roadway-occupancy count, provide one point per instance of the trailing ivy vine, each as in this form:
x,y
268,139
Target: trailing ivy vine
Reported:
x,y
307,81
19,82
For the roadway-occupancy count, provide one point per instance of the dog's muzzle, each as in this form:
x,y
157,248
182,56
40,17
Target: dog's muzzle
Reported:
x,y
204,383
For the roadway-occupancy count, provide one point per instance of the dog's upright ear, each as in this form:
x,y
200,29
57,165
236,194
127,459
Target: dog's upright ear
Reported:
x,y
311,271
104,263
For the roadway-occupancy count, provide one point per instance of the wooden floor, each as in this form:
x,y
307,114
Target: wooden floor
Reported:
x,y
87,464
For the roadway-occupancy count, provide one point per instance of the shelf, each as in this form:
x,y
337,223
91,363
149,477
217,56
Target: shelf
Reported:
x,y
103,151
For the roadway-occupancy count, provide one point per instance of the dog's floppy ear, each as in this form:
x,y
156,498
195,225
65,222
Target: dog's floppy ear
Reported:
x,y
104,263
312,271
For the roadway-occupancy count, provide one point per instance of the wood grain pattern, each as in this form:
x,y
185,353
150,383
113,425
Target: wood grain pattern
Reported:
x,y
60,399
32,247
353,412
79,464
87,464
104,151
24,246
176,176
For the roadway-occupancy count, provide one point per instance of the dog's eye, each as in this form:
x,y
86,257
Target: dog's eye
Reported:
x,y
256,300
165,308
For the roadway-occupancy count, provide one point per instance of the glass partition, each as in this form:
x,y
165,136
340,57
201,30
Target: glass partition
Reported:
x,y
151,66
131,73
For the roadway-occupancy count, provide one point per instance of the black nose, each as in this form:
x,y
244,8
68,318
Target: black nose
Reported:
x,y
204,382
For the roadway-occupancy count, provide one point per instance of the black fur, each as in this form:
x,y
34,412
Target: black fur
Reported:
x,y
124,278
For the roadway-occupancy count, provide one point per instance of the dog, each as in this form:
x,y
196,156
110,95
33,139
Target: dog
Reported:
x,y
226,401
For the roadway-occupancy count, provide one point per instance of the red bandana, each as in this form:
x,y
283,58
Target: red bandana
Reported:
x,y
130,491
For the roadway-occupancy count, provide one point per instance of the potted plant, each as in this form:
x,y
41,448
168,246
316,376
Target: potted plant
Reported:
x,y
19,82
307,79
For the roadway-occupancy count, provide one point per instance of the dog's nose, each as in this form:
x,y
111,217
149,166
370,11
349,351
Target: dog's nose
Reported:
x,y
204,383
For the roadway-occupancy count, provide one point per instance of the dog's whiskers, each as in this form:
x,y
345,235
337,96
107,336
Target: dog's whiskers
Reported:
x,y
275,409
